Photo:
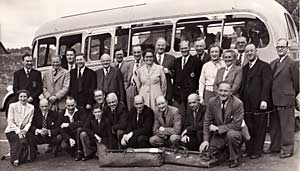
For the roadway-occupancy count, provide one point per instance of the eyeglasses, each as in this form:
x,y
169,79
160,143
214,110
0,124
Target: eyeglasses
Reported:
x,y
281,47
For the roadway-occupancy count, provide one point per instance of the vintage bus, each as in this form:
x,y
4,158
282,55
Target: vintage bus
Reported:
x,y
103,31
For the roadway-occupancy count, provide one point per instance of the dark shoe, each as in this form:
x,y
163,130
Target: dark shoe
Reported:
x,y
285,155
234,163
255,156
246,154
269,151
55,151
89,157
78,156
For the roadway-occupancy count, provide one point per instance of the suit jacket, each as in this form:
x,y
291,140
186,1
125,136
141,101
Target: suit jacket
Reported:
x,y
168,62
172,124
102,129
186,81
205,59
79,118
256,85
33,84
56,86
118,119
18,118
145,123
234,77
151,84
89,85
192,125
123,68
285,86
245,62
112,82
51,120
233,118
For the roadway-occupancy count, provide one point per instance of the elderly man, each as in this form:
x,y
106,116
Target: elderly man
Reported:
x,y
110,79
56,82
71,123
222,125
167,61
192,134
99,98
139,125
285,88
44,128
201,54
167,125
117,113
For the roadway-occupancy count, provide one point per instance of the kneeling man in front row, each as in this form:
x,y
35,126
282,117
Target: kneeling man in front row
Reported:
x,y
222,125
167,125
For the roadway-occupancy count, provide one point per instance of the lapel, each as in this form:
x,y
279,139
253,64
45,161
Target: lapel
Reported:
x,y
152,69
165,62
230,71
26,113
110,74
228,110
188,63
254,68
222,71
219,110
281,65
58,74
168,116
130,70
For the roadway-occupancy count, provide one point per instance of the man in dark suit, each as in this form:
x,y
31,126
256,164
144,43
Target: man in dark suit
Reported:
x,y
201,54
82,83
240,45
110,79
139,126
29,79
122,65
68,62
255,93
71,122
186,76
167,61
44,128
117,114
167,124
285,88
222,125
192,134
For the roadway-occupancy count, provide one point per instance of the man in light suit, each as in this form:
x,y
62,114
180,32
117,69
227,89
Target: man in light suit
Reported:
x,y
82,83
285,88
167,125
240,45
110,79
222,125
56,82
167,61
29,79
186,76
131,90
256,95
231,73
201,54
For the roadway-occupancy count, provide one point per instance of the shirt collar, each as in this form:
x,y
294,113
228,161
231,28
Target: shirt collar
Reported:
x,y
70,115
282,58
253,63
228,68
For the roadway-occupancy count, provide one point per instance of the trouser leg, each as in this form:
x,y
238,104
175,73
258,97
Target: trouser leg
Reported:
x,y
196,138
77,139
275,132
234,140
86,141
174,140
15,145
157,141
260,127
139,142
287,125
250,124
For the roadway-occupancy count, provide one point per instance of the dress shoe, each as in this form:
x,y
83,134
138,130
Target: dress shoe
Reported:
x,y
89,157
285,155
78,156
269,151
16,163
246,154
255,156
55,151
234,163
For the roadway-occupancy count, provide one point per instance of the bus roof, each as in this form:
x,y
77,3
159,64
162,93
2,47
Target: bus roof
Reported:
x,y
159,10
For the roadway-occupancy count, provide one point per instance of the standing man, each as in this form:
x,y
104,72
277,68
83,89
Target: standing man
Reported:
x,y
167,125
56,82
285,88
122,65
201,54
82,83
131,90
29,79
192,134
240,45
186,76
167,61
222,125
110,79
139,126
255,93
70,64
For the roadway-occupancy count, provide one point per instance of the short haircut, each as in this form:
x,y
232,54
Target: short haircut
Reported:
x,y
224,82
188,42
25,55
71,49
215,45
56,56
201,40
137,45
98,90
23,91
71,99
287,42
148,50
97,106
233,53
119,49
80,54
161,38
112,95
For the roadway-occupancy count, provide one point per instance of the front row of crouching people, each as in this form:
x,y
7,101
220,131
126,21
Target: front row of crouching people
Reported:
x,y
212,129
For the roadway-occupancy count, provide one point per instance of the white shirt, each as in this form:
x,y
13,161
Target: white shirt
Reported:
x,y
70,115
106,70
184,60
70,67
251,64
161,58
81,71
227,69
242,58
282,58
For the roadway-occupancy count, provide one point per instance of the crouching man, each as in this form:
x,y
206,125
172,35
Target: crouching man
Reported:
x,y
167,125
222,125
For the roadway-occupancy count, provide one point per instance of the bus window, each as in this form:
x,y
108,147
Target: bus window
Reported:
x,y
146,34
46,48
121,39
98,45
291,28
66,42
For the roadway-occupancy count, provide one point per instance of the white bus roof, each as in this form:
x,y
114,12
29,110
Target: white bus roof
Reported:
x,y
268,9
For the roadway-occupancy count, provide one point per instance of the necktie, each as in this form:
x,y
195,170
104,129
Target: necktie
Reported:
x,y
223,110
163,114
118,65
44,122
106,71
194,115
134,77
27,73
276,66
159,59
137,117
79,80
55,72
184,62
239,61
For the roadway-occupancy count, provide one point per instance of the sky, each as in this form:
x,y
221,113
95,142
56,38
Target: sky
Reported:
x,y
21,18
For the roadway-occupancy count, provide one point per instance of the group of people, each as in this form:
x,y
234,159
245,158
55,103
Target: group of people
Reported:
x,y
212,102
